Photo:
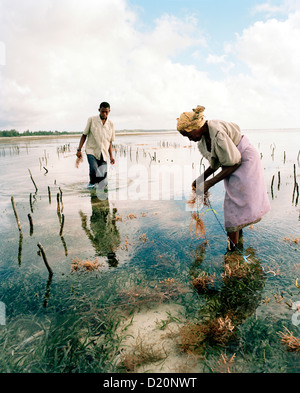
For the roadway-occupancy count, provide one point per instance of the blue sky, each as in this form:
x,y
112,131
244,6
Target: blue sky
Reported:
x,y
219,22
220,18
151,60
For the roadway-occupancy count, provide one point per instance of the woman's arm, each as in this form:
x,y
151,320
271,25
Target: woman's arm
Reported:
x,y
225,172
208,172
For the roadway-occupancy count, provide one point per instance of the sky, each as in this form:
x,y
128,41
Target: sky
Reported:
x,y
151,60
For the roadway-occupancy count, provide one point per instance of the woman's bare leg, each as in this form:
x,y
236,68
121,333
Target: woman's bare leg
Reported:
x,y
234,237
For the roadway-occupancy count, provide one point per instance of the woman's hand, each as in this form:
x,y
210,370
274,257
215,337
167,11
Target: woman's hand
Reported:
x,y
197,182
194,185
207,185
112,160
79,154
201,188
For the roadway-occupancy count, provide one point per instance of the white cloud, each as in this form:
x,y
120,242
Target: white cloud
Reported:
x,y
64,57
270,9
270,50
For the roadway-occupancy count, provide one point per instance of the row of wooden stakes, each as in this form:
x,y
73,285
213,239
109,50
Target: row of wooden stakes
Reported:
x,y
61,220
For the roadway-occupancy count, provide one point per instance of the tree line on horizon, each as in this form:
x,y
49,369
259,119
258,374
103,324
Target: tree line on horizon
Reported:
x,y
10,133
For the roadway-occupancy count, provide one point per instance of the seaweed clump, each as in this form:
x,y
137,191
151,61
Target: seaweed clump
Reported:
x,y
203,283
216,331
292,343
229,301
85,265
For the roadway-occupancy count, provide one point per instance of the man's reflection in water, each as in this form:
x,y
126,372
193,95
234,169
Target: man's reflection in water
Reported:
x,y
103,233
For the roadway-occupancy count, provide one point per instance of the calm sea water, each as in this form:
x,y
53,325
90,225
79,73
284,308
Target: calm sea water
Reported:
x,y
139,231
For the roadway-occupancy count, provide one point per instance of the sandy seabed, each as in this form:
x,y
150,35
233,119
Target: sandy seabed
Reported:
x,y
152,335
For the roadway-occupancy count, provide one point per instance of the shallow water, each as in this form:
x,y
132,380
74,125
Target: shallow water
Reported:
x,y
139,233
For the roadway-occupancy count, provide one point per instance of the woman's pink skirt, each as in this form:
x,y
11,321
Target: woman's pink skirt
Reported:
x,y
246,200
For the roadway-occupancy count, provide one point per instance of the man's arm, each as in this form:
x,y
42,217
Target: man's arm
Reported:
x,y
112,161
81,143
83,137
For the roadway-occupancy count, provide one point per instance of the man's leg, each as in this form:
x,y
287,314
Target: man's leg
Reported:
x,y
101,175
93,165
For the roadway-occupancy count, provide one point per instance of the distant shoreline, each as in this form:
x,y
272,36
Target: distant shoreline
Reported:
x,y
119,133
61,136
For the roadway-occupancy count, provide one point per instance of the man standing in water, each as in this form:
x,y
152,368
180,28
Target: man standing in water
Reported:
x,y
100,134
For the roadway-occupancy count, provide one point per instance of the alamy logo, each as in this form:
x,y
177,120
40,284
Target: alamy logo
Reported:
x,y
150,182
2,313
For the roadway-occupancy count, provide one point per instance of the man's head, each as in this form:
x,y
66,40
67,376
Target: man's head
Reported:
x,y
104,109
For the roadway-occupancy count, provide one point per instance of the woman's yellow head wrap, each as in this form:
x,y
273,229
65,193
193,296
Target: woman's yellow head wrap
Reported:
x,y
189,121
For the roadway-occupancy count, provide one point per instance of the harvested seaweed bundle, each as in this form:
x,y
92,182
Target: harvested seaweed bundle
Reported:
x,y
197,223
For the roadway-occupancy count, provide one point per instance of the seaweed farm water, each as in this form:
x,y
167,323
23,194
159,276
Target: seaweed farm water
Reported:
x,y
134,288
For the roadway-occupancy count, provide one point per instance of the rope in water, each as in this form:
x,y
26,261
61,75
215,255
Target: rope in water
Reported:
x,y
234,245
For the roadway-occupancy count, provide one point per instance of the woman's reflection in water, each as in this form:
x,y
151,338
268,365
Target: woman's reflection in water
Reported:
x,y
231,297
103,232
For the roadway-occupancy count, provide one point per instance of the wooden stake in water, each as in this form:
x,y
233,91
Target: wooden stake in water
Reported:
x,y
31,224
62,224
297,196
296,187
58,208
65,245
20,248
30,202
58,203
47,293
45,259
16,214
61,202
36,189
49,194
272,186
